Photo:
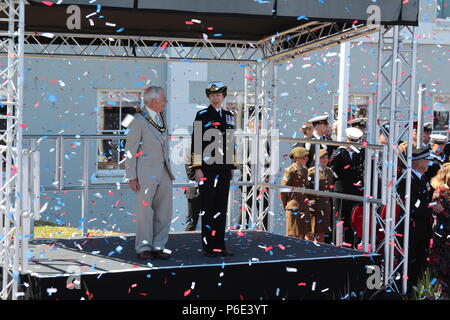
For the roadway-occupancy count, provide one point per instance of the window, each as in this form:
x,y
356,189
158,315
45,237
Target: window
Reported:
x,y
441,112
358,105
113,106
235,104
443,9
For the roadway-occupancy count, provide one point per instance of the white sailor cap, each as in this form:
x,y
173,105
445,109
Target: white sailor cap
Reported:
x,y
438,138
354,133
358,122
319,119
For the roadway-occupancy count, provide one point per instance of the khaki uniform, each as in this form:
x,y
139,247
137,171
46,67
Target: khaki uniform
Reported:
x,y
323,207
296,204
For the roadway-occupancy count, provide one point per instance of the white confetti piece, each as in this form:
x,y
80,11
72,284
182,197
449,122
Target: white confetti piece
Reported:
x,y
44,207
311,81
109,24
417,203
288,269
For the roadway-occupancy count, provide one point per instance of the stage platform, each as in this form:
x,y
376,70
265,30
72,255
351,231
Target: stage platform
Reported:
x,y
265,266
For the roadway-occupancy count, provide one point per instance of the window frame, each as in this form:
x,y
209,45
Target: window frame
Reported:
x,y
369,95
434,96
112,175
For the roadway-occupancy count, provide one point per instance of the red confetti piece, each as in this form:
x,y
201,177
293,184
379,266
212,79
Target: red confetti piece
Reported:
x,y
36,104
249,77
282,247
301,284
163,47
268,248
23,125
184,188
48,3
240,234
188,22
340,223
345,244
346,167
139,154
213,233
217,250
144,203
355,22
14,170
117,203
210,28
203,179
187,292
216,123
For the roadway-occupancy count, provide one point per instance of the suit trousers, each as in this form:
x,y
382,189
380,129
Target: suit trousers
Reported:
x,y
154,214
214,198
194,208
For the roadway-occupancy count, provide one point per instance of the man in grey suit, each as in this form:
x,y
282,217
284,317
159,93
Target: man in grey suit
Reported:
x,y
149,174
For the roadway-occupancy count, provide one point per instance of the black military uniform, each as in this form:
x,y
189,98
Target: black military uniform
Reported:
x,y
348,168
323,119
420,227
217,164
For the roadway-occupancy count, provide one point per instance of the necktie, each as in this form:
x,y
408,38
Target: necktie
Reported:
x,y
158,120
220,112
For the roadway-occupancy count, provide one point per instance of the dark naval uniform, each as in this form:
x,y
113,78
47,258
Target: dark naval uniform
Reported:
x,y
217,164
420,227
348,169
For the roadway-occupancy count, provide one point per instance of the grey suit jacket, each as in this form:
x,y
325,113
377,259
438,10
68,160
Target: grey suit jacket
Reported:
x,y
148,166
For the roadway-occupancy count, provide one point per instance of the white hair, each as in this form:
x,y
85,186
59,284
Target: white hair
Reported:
x,y
152,92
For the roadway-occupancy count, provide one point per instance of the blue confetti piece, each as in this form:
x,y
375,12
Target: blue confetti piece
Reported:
x,y
302,18
201,112
120,29
99,7
217,34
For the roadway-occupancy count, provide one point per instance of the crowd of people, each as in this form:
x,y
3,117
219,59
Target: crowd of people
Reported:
x,y
342,170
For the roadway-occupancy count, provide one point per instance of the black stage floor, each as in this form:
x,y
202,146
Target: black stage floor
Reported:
x,y
265,266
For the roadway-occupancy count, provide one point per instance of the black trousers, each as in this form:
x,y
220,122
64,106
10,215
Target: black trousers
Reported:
x,y
214,199
345,207
194,208
417,260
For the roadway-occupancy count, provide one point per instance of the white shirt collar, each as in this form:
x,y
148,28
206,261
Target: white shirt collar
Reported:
x,y
151,112
316,135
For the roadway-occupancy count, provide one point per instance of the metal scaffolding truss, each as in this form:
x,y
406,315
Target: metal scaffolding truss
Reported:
x,y
311,37
86,46
11,190
396,94
304,39
395,102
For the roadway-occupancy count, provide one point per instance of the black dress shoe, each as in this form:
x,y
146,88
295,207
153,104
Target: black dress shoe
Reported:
x,y
145,255
226,253
159,254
